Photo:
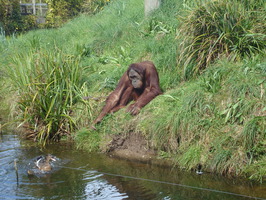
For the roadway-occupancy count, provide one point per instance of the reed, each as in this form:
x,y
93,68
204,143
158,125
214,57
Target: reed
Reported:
x,y
258,170
254,137
191,157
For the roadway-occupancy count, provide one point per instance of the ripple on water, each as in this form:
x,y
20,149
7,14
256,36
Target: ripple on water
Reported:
x,y
98,188
101,189
2,171
91,175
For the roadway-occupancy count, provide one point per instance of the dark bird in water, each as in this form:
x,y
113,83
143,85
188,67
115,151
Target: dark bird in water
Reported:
x,y
43,163
198,171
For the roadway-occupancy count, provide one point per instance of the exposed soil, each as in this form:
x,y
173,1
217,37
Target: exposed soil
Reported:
x,y
131,146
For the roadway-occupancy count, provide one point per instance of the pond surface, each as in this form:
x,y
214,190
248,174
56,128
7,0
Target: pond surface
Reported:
x,y
80,175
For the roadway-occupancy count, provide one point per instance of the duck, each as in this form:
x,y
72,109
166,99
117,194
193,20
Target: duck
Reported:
x,y
43,163
198,171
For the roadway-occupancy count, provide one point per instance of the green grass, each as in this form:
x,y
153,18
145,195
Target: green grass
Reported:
x,y
212,111
216,29
49,86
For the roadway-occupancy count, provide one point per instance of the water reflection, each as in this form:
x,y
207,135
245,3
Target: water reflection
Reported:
x,y
101,189
94,176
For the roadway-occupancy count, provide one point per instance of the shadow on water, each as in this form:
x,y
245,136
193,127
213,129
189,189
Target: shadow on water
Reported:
x,y
80,175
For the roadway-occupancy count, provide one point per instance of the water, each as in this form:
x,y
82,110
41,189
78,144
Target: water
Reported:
x,y
80,175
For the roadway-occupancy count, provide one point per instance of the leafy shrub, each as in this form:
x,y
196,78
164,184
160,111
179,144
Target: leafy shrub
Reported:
x,y
60,11
93,6
10,17
11,20
29,22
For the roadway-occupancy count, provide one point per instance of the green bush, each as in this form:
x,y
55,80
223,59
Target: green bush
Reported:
x,y
57,13
60,11
10,17
29,22
93,6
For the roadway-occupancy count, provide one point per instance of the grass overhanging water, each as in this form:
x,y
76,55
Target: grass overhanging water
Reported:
x,y
212,70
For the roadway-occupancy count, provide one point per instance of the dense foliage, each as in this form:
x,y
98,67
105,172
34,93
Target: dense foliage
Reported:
x,y
218,29
49,84
59,12
11,20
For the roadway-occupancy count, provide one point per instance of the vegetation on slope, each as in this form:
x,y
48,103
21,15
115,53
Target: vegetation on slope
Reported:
x,y
12,21
212,111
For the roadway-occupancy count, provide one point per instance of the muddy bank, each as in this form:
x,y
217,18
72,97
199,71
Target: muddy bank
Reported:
x,y
132,146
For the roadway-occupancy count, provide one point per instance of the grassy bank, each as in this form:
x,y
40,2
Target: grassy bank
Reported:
x,y
212,111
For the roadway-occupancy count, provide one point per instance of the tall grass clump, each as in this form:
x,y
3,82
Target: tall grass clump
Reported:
x,y
2,39
49,86
254,137
218,29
